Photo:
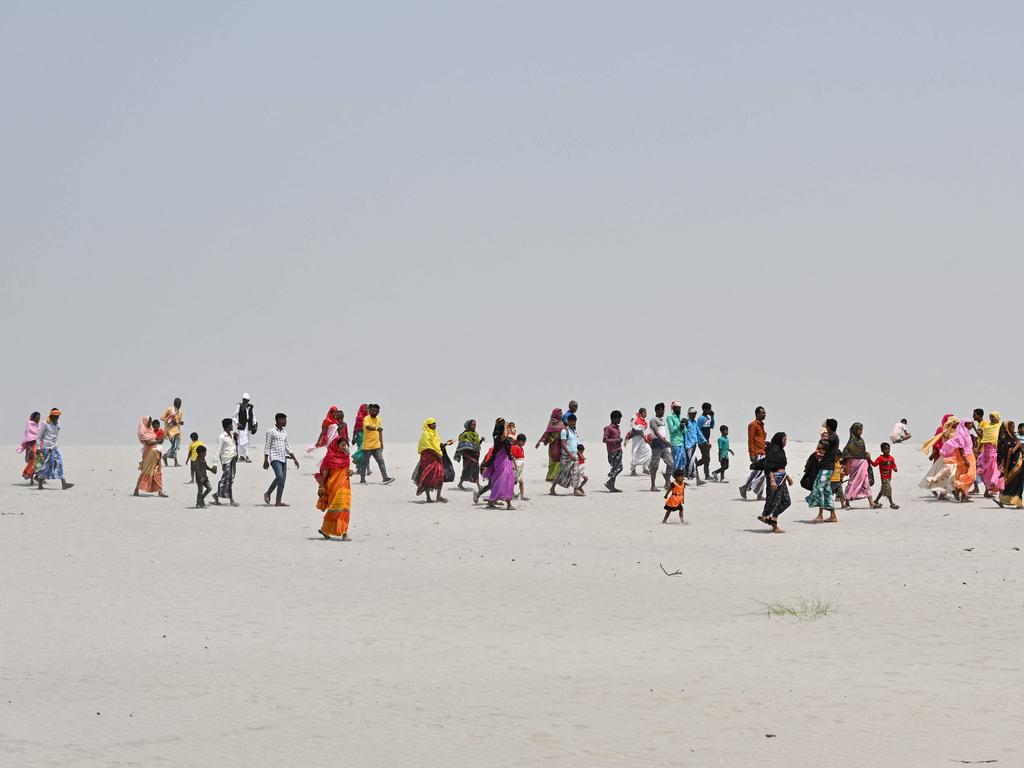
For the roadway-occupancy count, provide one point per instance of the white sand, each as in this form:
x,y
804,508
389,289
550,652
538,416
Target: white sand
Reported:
x,y
141,632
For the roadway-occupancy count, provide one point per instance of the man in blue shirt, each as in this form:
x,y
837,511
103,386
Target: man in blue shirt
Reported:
x,y
706,423
692,438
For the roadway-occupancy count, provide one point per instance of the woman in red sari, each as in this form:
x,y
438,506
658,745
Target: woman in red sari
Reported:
x,y
29,444
431,467
151,478
334,496
328,429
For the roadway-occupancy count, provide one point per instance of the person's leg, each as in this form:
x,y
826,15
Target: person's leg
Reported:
x,y
243,444
232,468
280,475
705,459
378,456
364,463
653,466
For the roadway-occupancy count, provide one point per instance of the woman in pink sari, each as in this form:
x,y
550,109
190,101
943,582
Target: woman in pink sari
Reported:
x,y
29,444
960,448
151,478
988,459
856,457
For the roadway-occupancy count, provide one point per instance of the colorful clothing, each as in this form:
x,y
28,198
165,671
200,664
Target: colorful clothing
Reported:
x,y
1011,462
334,489
431,472
676,497
778,500
640,448
551,438
820,496
501,474
468,452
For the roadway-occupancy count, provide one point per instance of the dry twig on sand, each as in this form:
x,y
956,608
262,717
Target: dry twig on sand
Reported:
x,y
674,573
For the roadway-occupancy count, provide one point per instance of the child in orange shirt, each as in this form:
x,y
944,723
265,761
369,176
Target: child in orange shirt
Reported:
x,y
674,496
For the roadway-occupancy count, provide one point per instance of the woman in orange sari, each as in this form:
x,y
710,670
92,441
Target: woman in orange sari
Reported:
x,y
151,478
960,448
334,496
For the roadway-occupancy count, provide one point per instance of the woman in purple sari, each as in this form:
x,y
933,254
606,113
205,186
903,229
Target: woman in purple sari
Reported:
x,y
500,469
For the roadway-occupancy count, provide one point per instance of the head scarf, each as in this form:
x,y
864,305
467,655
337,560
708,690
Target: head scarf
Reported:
x,y
501,439
330,418
855,448
429,440
775,453
146,433
555,424
1008,442
469,440
961,439
936,441
640,421
360,415
990,432
31,433
336,458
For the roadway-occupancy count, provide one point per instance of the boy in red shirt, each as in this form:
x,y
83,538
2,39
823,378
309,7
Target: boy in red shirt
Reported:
x,y
519,456
886,466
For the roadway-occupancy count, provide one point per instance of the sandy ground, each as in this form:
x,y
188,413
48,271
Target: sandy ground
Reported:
x,y
142,632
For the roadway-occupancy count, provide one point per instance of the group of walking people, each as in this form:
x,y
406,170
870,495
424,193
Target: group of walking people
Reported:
x,y
43,460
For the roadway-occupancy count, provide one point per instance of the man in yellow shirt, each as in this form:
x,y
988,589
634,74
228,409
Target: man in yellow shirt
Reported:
x,y
173,419
373,445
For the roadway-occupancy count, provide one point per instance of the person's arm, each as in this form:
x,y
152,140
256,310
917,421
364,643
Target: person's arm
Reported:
x,y
894,466
291,454
266,450
731,452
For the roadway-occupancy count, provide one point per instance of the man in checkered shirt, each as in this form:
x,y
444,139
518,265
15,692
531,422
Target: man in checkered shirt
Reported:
x,y
276,452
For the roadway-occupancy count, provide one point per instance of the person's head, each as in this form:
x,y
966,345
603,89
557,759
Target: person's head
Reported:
x,y
499,429
831,425
705,408
471,425
201,451
280,420
571,421
677,407
194,436
177,402
659,410
779,439
857,429
995,417
339,415
431,425
34,417
679,475
54,415
821,447
903,421
226,424
574,406
642,412
374,409
691,414
1020,427
521,439
760,413
245,398
581,448
724,430
154,423
616,417
885,449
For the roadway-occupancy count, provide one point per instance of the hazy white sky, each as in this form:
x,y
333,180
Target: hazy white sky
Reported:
x,y
482,209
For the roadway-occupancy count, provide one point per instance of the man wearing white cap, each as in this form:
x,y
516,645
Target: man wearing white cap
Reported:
x,y
245,425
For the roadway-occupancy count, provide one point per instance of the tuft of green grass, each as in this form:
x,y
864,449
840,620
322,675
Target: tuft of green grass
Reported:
x,y
800,609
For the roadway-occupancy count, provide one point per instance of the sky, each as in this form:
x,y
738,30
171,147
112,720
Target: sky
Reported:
x,y
478,209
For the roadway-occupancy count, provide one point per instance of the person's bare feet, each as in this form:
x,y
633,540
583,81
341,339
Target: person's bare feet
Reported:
x,y
833,519
344,537
234,503
442,499
776,529
134,493
162,495
578,492
281,504
321,532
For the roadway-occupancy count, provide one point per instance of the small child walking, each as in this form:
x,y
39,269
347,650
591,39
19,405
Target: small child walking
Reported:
x,y
191,458
724,452
583,467
674,496
836,481
199,471
519,456
886,466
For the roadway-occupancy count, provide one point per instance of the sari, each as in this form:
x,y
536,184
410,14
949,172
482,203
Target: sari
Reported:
x,y
501,472
29,445
431,467
640,447
334,489
151,478
551,439
776,501
1011,462
328,430
960,449
939,477
988,458
357,433
468,452
856,456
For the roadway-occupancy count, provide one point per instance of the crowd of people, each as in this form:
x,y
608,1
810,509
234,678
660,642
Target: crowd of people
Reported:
x,y
673,450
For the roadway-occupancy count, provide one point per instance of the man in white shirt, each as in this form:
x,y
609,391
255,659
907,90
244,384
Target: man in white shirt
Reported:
x,y
227,456
276,452
900,433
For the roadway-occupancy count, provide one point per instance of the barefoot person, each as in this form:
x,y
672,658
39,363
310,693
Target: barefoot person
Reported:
x,y
550,438
756,437
500,468
821,496
172,422
569,466
675,496
960,450
334,488
661,448
430,471
639,443
1011,465
467,451
988,450
227,457
939,477
777,500
245,425
613,443
151,478
900,433
29,445
857,458
886,466
51,463
328,431
276,452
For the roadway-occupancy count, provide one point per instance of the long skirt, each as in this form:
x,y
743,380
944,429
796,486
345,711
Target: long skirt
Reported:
x,y
939,476
776,502
357,441
553,469
502,476
30,461
334,498
431,472
51,467
988,468
470,467
857,487
640,453
1013,482
820,496
568,472
966,472
151,478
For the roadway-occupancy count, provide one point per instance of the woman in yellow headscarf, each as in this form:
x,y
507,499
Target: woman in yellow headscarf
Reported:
x,y
988,459
430,472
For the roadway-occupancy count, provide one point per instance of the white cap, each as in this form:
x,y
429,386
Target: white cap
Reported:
x,y
245,395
